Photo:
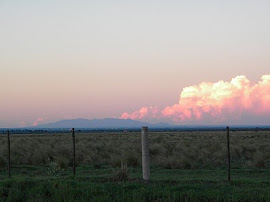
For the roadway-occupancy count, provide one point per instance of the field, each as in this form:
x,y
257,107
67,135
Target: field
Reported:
x,y
184,166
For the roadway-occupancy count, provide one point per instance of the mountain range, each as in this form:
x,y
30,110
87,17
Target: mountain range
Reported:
x,y
101,123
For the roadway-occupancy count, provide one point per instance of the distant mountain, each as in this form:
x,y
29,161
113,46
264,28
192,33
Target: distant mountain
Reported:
x,y
101,123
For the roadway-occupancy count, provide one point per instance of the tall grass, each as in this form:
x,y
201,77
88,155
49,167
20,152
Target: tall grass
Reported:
x,y
187,150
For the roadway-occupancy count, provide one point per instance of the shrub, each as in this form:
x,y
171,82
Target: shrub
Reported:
x,y
122,173
131,158
156,149
258,159
61,162
116,162
260,163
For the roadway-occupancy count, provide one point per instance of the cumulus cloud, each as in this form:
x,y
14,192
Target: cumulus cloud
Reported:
x,y
213,102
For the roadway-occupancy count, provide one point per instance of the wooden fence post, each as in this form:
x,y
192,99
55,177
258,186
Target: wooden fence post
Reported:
x,y
74,162
8,138
145,154
229,154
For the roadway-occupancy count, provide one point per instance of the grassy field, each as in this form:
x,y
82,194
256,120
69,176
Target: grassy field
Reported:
x,y
185,166
175,150
38,184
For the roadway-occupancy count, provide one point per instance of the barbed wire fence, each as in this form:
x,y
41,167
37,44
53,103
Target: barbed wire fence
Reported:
x,y
228,145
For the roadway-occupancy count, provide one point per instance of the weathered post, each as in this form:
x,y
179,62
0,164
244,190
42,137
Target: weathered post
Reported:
x,y
8,138
74,162
145,154
229,154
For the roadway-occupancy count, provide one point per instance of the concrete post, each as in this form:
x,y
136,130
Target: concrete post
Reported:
x,y
145,154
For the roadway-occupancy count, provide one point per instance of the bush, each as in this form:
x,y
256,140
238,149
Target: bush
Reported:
x,y
122,173
258,159
116,162
156,149
131,158
61,162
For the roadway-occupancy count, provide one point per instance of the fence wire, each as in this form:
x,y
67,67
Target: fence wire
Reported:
x,y
198,149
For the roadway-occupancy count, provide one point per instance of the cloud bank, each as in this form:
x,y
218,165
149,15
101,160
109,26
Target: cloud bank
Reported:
x,y
213,103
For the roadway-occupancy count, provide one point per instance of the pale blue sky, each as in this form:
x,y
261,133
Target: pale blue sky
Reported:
x,y
117,56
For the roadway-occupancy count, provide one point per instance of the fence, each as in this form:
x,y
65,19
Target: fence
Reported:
x,y
223,138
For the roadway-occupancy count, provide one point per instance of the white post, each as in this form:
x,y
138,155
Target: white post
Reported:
x,y
145,154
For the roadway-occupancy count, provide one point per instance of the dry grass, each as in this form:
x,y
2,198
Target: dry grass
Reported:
x,y
185,150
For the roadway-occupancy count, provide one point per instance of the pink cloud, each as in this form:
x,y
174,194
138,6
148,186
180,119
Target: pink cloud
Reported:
x,y
214,102
142,113
36,122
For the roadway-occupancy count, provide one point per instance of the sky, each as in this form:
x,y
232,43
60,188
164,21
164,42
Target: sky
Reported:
x,y
170,59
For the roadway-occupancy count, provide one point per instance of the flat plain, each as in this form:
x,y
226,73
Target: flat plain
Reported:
x,y
185,166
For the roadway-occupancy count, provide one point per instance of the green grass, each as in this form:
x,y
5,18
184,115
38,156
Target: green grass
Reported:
x,y
36,183
185,166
